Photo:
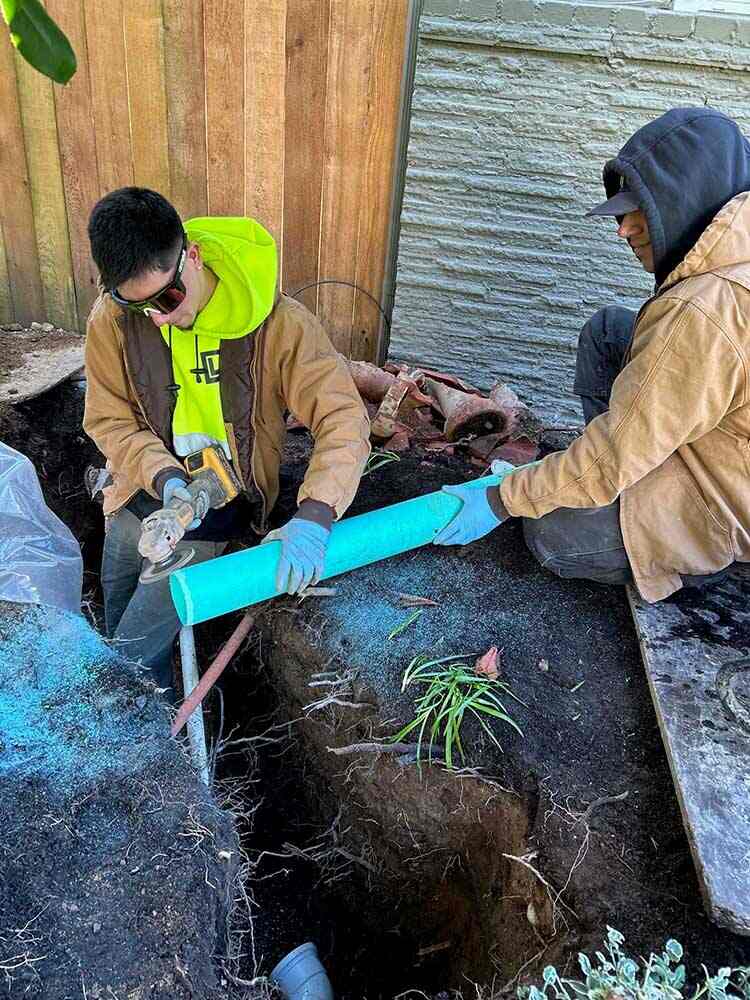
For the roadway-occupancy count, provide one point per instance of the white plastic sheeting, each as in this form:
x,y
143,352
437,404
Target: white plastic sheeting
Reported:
x,y
40,560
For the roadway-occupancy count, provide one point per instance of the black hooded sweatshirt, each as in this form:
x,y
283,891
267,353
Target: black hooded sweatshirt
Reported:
x,y
682,168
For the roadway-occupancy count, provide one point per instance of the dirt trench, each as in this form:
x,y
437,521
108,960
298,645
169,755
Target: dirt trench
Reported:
x,y
435,881
529,855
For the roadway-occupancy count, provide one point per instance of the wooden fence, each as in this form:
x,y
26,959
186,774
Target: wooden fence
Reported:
x,y
285,110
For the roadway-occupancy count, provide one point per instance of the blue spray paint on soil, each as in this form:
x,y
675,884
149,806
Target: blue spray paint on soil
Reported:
x,y
366,609
68,716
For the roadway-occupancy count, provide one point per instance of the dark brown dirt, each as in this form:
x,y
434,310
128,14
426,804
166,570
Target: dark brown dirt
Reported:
x,y
113,853
438,877
415,890
117,866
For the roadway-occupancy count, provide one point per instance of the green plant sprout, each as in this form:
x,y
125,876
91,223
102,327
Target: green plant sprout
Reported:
x,y
618,976
405,624
453,690
378,459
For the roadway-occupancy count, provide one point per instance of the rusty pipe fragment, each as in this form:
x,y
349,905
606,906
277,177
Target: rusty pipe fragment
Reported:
x,y
465,414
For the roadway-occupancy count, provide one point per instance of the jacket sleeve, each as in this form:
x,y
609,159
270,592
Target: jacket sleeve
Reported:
x,y
317,387
110,419
684,376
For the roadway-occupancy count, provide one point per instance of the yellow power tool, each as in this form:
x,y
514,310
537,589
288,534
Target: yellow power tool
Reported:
x,y
213,483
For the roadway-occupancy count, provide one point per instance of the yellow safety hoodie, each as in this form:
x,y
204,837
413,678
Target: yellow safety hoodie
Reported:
x,y
286,363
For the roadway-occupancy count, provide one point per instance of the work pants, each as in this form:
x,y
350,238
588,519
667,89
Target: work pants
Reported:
x,y
587,543
140,618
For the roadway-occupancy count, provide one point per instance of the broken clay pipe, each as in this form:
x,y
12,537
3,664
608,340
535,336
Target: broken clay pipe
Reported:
x,y
522,423
374,383
466,414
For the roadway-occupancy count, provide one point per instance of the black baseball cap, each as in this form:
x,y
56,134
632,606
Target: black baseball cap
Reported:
x,y
619,204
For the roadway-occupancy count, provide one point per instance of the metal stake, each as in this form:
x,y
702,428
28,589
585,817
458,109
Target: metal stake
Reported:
x,y
196,729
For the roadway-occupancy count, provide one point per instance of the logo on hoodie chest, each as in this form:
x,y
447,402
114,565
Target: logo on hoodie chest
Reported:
x,y
208,370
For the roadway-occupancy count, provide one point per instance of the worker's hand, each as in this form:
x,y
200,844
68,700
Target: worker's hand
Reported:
x,y
303,550
174,489
475,518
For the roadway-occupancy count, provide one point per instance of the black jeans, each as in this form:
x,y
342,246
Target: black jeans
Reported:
x,y
587,543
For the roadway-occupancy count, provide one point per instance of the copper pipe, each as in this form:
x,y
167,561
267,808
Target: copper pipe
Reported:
x,y
215,671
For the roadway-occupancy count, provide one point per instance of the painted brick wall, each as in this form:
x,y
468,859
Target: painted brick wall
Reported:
x,y
516,107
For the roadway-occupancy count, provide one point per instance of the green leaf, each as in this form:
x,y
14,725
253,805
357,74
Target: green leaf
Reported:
x,y
673,949
39,40
405,624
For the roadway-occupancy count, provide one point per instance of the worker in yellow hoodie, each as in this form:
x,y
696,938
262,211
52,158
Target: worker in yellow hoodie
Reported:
x,y
190,344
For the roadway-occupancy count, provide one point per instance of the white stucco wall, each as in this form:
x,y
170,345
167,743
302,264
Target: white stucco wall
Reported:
x,y
517,105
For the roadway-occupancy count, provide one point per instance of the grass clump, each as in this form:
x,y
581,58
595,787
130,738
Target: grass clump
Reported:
x,y
377,459
616,976
453,691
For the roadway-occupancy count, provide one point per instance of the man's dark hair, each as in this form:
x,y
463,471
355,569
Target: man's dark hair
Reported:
x,y
133,230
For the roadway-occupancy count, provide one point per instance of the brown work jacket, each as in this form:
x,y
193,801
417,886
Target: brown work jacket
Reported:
x,y
288,363
675,443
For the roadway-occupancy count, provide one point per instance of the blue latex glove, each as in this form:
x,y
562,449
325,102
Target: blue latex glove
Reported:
x,y
476,518
175,488
303,550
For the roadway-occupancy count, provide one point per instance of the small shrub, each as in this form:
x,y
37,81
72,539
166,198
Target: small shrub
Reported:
x,y
616,976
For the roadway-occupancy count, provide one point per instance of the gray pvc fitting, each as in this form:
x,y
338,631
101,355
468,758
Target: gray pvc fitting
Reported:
x,y
300,976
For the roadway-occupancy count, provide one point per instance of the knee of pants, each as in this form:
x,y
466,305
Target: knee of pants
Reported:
x,y
593,330
610,565
610,324
123,532
544,554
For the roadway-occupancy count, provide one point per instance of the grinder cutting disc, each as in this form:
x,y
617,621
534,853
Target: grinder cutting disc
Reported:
x,y
157,571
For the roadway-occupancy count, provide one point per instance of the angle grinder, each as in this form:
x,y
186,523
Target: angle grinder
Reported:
x,y
213,483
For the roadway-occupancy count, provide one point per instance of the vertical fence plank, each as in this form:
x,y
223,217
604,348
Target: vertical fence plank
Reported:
x,y
389,47
186,100
21,253
286,110
306,76
265,71
6,303
109,93
349,67
225,89
47,197
75,126
147,96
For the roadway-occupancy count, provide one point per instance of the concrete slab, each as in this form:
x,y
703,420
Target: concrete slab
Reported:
x,y
695,649
35,360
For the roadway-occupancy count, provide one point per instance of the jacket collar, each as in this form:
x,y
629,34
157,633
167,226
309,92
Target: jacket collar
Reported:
x,y
725,243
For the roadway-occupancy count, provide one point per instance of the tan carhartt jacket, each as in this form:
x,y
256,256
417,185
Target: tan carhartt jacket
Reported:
x,y
675,443
290,364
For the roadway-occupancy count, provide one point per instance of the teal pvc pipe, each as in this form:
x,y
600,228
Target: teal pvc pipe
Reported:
x,y
213,588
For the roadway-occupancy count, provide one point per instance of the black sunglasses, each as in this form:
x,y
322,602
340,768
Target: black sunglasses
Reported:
x,y
166,299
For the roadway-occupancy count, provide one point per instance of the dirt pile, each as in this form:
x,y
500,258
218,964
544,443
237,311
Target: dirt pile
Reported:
x,y
117,866
527,855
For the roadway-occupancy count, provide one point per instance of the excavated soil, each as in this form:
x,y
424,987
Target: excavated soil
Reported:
x,y
436,880
531,853
119,871
118,868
